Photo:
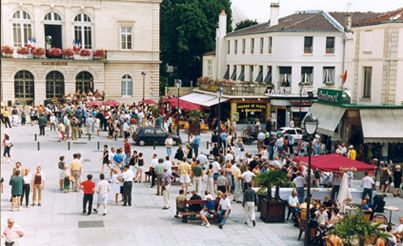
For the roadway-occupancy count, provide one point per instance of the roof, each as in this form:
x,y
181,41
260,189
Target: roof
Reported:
x,y
209,53
306,21
388,17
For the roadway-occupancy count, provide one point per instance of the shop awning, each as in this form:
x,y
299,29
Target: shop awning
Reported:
x,y
202,99
334,163
329,117
382,125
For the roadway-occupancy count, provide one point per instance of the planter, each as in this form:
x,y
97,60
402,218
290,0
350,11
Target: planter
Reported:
x,y
272,210
260,198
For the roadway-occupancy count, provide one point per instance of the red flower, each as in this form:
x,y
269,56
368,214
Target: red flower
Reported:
x,y
99,53
85,52
68,52
23,51
76,49
38,52
55,52
8,50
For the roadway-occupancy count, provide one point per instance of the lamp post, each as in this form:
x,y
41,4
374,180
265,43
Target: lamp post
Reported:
x,y
219,95
178,84
144,84
310,125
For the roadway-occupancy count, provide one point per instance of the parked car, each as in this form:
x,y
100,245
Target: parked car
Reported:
x,y
295,133
150,135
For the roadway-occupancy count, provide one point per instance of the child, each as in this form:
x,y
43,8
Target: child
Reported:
x,y
68,179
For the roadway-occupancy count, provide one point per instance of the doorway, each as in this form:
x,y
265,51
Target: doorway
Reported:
x,y
55,34
281,118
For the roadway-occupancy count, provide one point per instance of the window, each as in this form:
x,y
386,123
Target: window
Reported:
x,y
83,31
233,75
268,78
367,42
242,74
52,16
22,28
243,46
251,73
367,82
328,75
84,82
329,45
126,37
226,75
261,45
54,85
252,45
24,87
259,77
209,68
307,75
127,85
236,47
270,43
285,76
228,47
149,132
308,43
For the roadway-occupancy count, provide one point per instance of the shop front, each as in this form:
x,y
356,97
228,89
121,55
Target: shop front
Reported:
x,y
248,111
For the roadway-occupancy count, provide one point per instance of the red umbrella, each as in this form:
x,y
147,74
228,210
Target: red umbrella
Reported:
x,y
149,101
184,105
111,103
334,163
94,104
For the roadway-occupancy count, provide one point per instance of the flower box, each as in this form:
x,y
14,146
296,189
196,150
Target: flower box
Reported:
x,y
77,49
55,52
85,53
23,51
7,51
99,54
68,53
38,52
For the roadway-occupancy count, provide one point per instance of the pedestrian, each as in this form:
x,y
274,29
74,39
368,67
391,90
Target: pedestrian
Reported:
x,y
16,183
197,172
105,158
76,168
140,164
224,210
184,175
159,171
335,186
236,173
88,188
210,179
23,118
38,184
7,148
166,184
128,177
42,123
169,142
62,167
26,188
128,151
12,233
397,180
222,182
368,184
196,144
299,183
6,118
249,203
102,188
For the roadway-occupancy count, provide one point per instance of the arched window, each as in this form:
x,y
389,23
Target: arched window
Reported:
x,y
82,31
53,17
127,85
84,82
22,28
54,85
24,87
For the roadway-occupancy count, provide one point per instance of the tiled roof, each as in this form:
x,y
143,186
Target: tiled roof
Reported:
x,y
209,53
388,17
309,21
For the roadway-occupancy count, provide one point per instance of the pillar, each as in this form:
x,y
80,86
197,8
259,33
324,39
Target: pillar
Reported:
x,y
268,111
233,109
385,149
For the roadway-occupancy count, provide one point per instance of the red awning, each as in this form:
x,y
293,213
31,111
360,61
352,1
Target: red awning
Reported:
x,y
148,102
111,103
94,104
334,163
183,105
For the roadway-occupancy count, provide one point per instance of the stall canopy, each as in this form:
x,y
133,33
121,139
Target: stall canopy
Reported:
x,y
335,163
183,105
148,101
329,117
382,125
202,99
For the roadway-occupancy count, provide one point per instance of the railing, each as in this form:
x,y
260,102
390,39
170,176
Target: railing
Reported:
x,y
236,88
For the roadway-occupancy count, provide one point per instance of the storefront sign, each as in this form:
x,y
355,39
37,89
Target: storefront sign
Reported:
x,y
330,96
53,63
252,107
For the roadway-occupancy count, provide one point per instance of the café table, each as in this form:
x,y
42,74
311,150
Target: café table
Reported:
x,y
391,209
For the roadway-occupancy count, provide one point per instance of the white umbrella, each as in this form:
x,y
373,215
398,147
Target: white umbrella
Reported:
x,y
344,196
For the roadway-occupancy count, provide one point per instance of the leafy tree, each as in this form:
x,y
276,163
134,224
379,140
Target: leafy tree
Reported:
x,y
187,31
245,23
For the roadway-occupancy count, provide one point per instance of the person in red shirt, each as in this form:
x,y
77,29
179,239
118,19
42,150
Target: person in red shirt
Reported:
x,y
88,187
128,150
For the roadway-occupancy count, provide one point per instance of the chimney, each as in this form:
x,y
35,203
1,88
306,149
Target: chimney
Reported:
x,y
348,22
222,24
274,12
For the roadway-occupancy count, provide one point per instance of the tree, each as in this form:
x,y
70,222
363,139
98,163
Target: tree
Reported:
x,y
187,31
245,23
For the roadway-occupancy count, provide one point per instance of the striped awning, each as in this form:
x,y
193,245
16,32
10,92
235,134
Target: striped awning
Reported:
x,y
382,125
328,116
202,99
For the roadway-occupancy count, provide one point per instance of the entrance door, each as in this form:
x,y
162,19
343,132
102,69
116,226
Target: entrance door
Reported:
x,y
281,115
55,32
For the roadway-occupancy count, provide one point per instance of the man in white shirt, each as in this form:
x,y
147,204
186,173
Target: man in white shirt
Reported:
x,y
126,129
322,216
154,163
299,183
293,205
12,233
168,165
128,177
202,158
224,210
367,183
247,177
103,188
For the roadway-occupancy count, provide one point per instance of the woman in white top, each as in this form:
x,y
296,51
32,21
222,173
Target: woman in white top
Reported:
x,y
26,188
115,184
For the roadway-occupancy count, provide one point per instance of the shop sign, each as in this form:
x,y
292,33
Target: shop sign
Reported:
x,y
53,63
330,96
251,107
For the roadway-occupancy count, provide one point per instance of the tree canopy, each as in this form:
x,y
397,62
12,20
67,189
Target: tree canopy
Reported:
x,y
245,23
187,31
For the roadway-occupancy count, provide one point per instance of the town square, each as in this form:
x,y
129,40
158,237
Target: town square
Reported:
x,y
171,122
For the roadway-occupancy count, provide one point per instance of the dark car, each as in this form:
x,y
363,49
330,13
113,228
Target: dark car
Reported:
x,y
150,135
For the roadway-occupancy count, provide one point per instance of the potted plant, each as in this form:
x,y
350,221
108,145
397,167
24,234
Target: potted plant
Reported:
x,y
55,52
7,51
85,53
99,54
68,53
77,50
272,209
23,51
354,230
38,52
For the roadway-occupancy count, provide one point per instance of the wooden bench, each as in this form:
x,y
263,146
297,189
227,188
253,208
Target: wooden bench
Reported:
x,y
186,214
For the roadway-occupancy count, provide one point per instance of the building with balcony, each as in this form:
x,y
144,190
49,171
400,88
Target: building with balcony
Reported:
x,y
52,48
282,62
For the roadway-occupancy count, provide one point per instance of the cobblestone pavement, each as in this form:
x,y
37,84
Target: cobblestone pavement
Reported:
x,y
57,221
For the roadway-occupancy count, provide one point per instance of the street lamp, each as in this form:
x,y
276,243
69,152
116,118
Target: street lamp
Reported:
x,y
219,95
310,126
144,84
178,84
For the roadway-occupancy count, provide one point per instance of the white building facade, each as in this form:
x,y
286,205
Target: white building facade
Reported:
x,y
114,41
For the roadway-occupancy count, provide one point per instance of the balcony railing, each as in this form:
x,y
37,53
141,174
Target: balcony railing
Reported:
x,y
233,88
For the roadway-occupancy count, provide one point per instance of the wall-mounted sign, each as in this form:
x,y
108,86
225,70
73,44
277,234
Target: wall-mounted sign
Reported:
x,y
251,107
330,96
54,63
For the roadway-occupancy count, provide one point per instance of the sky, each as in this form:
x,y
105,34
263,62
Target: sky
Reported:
x,y
260,9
